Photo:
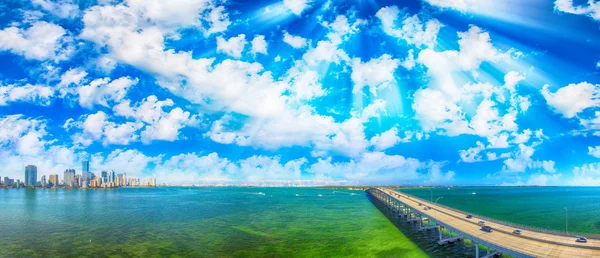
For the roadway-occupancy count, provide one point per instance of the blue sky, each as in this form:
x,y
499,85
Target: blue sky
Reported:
x,y
372,92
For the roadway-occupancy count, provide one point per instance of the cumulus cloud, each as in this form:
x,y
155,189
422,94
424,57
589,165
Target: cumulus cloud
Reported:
x,y
591,8
259,45
441,104
104,91
594,151
297,6
41,41
376,73
412,30
34,94
22,135
60,8
232,46
586,175
386,139
573,98
294,41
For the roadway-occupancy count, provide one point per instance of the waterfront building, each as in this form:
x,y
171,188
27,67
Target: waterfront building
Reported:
x,y
104,176
112,176
69,177
43,181
30,175
53,180
86,176
8,181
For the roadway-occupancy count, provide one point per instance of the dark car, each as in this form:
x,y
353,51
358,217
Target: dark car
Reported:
x,y
469,216
487,229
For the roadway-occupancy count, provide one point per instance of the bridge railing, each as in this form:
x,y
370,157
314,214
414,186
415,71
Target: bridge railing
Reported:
x,y
515,225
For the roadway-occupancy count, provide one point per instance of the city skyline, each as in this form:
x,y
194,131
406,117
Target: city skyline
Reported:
x,y
431,92
86,179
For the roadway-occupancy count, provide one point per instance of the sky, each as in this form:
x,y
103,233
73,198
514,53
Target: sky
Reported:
x,y
420,92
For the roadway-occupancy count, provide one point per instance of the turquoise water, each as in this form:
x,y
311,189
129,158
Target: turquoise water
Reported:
x,y
202,222
542,207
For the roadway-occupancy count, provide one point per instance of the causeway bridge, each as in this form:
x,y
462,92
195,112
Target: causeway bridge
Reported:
x,y
530,243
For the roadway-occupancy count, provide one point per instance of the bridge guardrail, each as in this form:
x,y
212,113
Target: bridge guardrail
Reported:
x,y
516,225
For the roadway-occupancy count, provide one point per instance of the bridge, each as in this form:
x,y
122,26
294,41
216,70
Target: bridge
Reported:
x,y
453,225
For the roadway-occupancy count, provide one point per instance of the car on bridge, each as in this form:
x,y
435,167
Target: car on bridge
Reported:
x,y
487,229
469,216
517,232
481,222
581,240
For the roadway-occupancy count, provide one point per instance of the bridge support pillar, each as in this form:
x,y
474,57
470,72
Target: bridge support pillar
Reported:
x,y
476,250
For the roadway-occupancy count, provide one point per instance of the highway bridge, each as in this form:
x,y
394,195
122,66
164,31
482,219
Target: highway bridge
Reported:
x,y
530,243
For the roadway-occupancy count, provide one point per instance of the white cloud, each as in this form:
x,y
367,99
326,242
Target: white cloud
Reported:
x,y
21,135
591,9
259,45
60,8
160,125
573,98
435,176
328,50
41,41
472,154
370,166
217,20
594,151
546,165
297,6
586,175
103,91
386,139
376,73
447,106
35,94
294,41
413,31
233,46
97,127
521,160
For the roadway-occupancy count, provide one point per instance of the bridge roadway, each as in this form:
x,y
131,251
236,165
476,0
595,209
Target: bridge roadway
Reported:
x,y
528,244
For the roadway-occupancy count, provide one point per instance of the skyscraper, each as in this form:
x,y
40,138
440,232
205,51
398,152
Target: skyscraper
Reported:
x,y
30,175
53,180
69,177
104,176
85,172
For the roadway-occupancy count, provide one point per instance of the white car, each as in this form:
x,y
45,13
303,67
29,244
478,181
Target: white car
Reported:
x,y
517,232
581,240
481,223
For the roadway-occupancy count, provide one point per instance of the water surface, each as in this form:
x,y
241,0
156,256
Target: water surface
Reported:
x,y
199,222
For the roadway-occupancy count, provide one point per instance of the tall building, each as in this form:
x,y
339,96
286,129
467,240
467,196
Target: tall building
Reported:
x,y
104,176
53,180
69,177
30,175
43,181
85,171
112,176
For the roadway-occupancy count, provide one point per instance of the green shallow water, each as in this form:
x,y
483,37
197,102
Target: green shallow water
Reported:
x,y
202,222
542,207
